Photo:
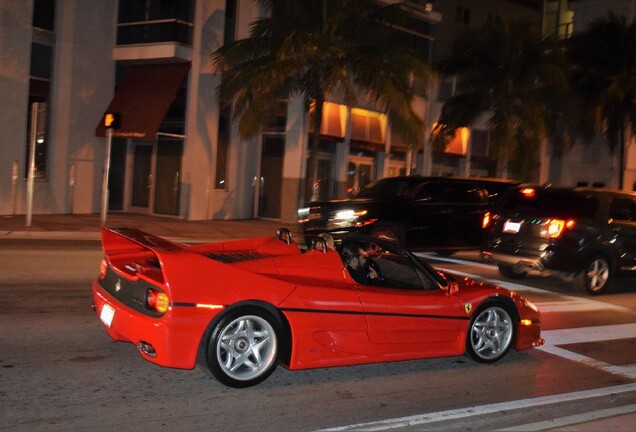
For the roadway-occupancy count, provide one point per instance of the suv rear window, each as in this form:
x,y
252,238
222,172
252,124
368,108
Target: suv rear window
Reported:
x,y
550,203
623,209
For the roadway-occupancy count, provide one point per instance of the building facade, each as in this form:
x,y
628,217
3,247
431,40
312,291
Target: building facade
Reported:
x,y
591,163
64,63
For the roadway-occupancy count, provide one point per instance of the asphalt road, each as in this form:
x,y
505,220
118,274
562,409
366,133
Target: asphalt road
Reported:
x,y
59,371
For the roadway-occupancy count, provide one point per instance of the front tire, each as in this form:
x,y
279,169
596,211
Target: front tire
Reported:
x,y
490,334
511,272
243,348
596,275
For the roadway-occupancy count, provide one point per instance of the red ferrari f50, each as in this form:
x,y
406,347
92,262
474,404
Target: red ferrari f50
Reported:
x,y
242,307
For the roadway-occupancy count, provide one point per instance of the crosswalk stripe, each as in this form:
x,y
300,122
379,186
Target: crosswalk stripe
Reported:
x,y
453,414
590,335
577,303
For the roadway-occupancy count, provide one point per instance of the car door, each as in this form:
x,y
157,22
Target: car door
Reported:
x,y
431,217
623,226
468,202
420,323
407,312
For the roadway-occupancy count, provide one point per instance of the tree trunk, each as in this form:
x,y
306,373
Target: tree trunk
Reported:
x,y
622,141
312,186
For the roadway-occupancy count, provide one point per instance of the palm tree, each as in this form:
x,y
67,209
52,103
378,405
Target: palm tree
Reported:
x,y
603,60
316,50
506,72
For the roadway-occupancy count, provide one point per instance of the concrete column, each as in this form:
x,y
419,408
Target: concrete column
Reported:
x,y
15,47
544,162
295,160
199,198
342,157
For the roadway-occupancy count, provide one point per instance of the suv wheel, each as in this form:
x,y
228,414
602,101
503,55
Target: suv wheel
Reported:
x,y
511,272
595,276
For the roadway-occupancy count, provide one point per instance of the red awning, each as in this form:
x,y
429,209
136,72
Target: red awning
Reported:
x,y
143,99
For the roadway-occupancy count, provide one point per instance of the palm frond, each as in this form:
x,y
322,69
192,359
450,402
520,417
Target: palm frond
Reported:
x,y
314,49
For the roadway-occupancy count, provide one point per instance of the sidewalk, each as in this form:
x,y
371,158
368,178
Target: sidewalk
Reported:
x,y
87,227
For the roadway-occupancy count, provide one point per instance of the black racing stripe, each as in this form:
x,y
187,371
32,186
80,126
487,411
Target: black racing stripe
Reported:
x,y
183,304
388,314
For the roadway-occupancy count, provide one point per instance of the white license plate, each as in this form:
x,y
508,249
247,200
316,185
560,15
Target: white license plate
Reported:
x,y
511,227
107,314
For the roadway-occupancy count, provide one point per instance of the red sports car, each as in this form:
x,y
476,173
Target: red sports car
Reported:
x,y
241,307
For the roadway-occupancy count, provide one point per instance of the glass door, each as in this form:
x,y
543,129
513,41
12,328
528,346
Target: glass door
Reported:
x,y
359,174
117,176
269,198
142,177
168,178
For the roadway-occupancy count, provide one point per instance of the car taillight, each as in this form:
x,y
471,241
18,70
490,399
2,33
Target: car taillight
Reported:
x,y
486,221
157,300
103,268
528,192
555,227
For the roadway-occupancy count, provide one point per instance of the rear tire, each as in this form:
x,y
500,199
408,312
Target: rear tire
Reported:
x,y
244,347
511,272
596,276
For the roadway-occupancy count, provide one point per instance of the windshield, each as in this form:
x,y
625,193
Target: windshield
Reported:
x,y
371,261
389,188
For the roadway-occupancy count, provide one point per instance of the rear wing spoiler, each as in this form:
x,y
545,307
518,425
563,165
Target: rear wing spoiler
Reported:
x,y
122,240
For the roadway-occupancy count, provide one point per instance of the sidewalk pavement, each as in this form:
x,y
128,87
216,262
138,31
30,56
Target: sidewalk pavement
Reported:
x,y
87,227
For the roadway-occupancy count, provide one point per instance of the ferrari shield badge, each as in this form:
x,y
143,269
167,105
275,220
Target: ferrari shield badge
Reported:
x,y
468,307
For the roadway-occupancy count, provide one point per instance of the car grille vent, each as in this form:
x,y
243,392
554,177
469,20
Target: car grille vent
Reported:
x,y
233,257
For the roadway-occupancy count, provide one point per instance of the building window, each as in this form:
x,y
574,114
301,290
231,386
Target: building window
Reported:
x,y
40,75
222,146
155,21
230,21
462,15
479,143
44,14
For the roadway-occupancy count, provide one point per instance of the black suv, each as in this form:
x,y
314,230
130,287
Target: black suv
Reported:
x,y
586,235
443,214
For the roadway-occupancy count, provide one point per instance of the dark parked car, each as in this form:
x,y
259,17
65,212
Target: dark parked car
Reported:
x,y
585,235
443,214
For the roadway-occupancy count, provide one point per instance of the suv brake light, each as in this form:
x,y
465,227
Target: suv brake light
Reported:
x,y
486,221
555,227
528,192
